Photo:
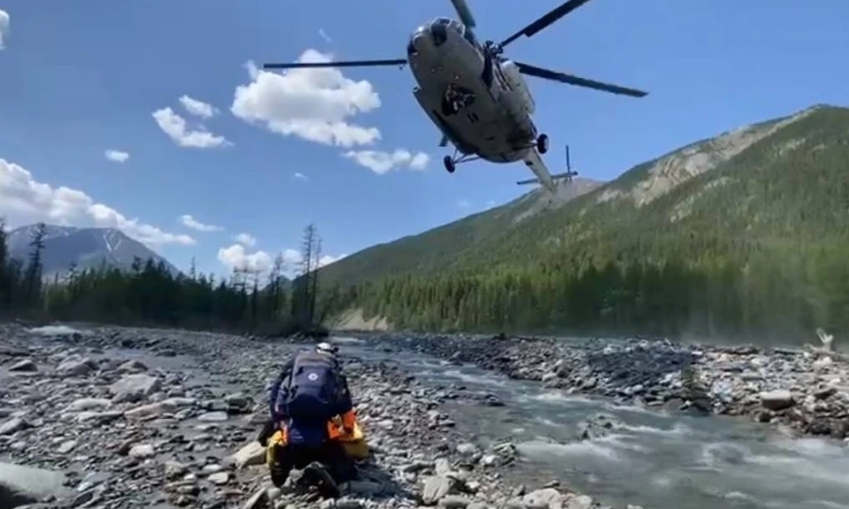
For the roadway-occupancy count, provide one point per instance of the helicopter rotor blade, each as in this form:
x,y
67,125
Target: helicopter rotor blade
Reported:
x,y
539,72
464,13
350,63
543,22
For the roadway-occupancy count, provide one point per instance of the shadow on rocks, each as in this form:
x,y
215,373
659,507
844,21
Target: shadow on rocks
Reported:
x,y
643,365
374,482
10,497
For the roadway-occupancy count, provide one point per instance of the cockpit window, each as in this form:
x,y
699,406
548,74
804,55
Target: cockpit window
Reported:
x,y
439,31
454,24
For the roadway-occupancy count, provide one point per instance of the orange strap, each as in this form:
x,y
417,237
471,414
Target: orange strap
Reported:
x,y
349,419
335,428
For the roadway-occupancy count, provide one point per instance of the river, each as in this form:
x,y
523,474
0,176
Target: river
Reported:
x,y
656,460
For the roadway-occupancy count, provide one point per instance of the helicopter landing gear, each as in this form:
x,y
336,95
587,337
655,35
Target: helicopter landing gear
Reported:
x,y
542,143
451,162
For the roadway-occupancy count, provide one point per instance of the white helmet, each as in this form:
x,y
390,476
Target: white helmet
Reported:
x,y
327,348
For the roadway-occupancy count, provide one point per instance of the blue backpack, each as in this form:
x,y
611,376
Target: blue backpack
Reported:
x,y
312,389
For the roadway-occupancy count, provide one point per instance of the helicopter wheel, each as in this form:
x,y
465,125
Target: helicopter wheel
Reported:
x,y
542,143
449,163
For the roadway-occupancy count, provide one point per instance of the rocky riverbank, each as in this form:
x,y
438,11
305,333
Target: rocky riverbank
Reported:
x,y
126,418
803,392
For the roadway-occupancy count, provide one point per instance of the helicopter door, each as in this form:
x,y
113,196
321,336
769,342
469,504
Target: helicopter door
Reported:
x,y
493,78
487,75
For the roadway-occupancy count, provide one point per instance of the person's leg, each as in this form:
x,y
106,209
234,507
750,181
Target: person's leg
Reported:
x,y
302,456
310,460
339,463
284,461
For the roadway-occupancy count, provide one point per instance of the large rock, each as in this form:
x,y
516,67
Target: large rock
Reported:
x,y
151,409
252,453
131,388
546,498
75,366
12,426
436,488
777,400
88,404
132,366
597,426
26,365
20,485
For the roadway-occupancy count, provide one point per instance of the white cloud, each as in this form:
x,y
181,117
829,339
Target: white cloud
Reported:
x,y
24,200
116,156
324,35
313,104
4,26
464,204
300,176
237,257
190,222
245,239
384,162
293,259
198,108
178,130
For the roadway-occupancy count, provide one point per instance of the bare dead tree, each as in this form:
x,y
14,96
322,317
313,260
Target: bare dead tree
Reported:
x,y
301,305
275,287
239,277
253,278
313,279
34,268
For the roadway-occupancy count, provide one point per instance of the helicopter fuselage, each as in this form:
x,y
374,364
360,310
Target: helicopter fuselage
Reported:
x,y
479,101
475,97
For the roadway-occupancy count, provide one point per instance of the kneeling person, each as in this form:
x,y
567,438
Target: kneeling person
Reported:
x,y
311,391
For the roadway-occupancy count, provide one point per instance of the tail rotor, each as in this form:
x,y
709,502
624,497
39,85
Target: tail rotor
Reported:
x,y
568,174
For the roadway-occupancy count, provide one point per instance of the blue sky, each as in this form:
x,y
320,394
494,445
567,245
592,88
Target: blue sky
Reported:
x,y
84,77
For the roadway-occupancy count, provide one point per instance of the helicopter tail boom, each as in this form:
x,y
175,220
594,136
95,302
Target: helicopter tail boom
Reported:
x,y
534,162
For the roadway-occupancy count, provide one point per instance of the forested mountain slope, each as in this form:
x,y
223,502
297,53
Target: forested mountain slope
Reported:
x,y
440,247
742,233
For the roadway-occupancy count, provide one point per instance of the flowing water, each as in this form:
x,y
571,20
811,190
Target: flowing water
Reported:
x,y
657,460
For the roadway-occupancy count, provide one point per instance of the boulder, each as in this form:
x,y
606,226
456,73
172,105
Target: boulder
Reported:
x,y
252,453
132,388
26,365
777,400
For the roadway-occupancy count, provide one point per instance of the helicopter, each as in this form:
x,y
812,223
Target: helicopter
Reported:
x,y
475,96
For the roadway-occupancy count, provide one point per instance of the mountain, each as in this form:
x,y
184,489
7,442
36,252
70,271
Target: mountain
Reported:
x,y
769,197
437,248
86,248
